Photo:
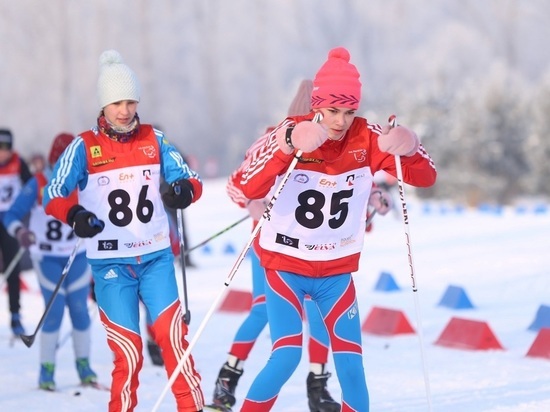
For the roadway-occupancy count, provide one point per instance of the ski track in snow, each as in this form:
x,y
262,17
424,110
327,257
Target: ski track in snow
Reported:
x,y
499,260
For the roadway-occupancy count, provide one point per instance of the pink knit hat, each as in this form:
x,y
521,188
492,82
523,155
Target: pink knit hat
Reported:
x,y
336,84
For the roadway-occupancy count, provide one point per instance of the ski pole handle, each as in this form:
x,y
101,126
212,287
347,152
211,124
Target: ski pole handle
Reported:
x,y
93,221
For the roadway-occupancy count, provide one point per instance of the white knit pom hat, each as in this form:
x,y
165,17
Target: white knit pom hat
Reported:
x,y
116,81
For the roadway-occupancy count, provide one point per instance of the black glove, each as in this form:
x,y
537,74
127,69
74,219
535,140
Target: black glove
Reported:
x,y
178,195
84,222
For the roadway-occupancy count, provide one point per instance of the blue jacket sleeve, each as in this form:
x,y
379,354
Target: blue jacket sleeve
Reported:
x,y
173,166
21,207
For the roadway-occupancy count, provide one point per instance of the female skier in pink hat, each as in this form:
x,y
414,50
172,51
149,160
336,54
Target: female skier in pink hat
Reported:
x,y
313,240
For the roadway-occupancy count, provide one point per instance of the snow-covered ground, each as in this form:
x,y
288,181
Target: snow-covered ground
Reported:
x,y
499,259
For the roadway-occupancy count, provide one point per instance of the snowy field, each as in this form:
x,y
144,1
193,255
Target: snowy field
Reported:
x,y
499,259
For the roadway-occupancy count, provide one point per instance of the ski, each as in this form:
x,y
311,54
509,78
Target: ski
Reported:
x,y
95,385
76,390
67,390
219,408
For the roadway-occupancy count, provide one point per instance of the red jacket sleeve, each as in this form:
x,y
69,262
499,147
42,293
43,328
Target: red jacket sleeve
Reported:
x,y
233,189
267,162
59,207
197,188
418,169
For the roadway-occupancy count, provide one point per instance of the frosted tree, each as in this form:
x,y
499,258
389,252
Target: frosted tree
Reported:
x,y
481,143
538,143
216,73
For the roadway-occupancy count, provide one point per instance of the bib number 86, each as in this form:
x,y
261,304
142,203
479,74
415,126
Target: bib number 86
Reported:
x,y
121,214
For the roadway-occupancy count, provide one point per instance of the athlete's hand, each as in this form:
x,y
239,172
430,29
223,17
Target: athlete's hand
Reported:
x,y
305,136
256,208
25,237
381,201
84,222
308,136
398,140
178,195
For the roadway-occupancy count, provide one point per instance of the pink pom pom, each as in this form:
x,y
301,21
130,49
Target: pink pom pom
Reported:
x,y
339,53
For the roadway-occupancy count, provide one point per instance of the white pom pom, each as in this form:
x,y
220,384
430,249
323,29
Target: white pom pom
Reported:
x,y
110,57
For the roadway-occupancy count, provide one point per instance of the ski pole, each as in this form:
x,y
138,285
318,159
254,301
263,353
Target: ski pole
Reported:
x,y
221,232
230,276
187,314
369,219
7,273
393,122
29,339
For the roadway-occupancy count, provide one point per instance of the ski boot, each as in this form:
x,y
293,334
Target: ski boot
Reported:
x,y
318,397
16,326
45,379
154,353
85,373
224,392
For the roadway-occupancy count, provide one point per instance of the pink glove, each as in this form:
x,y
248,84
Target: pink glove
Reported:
x,y
381,201
306,136
25,237
256,208
398,141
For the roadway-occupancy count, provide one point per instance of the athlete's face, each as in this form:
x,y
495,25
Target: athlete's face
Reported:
x,y
5,153
337,120
121,113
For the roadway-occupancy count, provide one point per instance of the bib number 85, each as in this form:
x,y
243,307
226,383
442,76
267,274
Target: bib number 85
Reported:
x,y
310,215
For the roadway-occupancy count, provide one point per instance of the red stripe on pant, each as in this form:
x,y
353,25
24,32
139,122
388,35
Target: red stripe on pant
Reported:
x,y
128,360
169,332
252,406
